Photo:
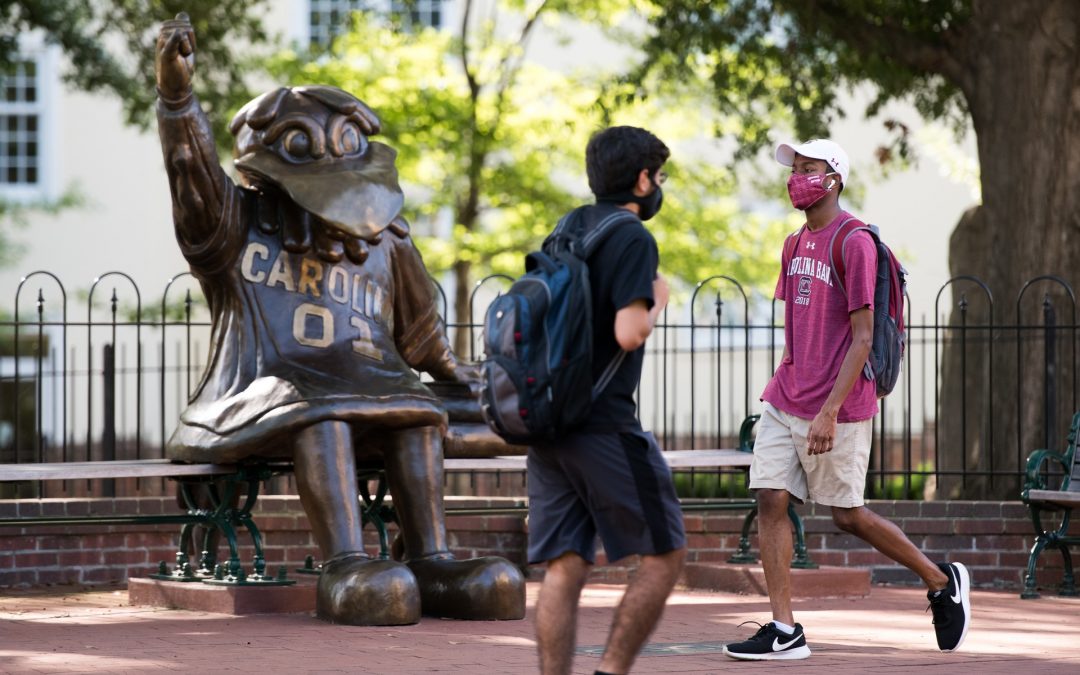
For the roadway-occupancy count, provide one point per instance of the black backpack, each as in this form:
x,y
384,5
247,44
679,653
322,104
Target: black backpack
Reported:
x,y
890,284
537,368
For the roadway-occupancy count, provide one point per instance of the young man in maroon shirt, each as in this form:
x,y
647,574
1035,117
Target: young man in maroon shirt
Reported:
x,y
815,432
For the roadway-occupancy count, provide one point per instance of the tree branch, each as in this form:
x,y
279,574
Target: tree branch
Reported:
x,y
890,39
470,77
509,72
509,68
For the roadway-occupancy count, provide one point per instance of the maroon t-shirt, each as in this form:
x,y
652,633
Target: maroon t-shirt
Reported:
x,y
817,324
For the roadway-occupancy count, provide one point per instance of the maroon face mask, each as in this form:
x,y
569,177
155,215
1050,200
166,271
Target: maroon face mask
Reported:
x,y
806,190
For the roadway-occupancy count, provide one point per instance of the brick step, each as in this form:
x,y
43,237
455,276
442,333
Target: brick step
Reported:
x,y
235,600
823,582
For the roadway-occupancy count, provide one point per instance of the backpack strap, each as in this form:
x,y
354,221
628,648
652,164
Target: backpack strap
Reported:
x,y
791,245
587,246
564,230
837,257
596,236
609,373
569,234
838,262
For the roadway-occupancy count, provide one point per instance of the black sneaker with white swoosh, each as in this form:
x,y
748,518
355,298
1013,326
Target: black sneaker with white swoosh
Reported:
x,y
952,607
770,643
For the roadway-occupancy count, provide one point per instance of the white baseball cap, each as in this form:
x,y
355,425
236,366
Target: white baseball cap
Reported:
x,y
819,148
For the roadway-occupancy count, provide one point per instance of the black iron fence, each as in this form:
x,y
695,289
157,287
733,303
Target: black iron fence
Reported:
x,y
104,374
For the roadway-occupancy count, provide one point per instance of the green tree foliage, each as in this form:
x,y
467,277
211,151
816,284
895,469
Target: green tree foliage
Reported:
x,y
499,141
1010,69
109,46
789,61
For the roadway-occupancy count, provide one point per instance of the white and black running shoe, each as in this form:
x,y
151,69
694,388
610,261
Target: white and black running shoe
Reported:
x,y
770,643
952,607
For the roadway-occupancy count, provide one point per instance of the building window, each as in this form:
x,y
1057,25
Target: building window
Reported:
x,y
420,13
329,18
20,120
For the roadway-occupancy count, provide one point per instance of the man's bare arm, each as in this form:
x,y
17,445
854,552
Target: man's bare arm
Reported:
x,y
634,323
823,427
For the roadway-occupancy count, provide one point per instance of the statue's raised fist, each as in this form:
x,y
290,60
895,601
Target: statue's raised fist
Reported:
x,y
175,58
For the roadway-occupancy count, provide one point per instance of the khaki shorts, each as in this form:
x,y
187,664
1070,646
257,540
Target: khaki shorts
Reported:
x,y
836,478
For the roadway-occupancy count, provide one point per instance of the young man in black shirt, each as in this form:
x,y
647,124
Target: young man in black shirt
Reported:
x,y
609,478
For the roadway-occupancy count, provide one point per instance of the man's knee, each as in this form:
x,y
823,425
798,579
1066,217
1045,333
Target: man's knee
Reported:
x,y
664,565
772,504
671,560
569,569
848,519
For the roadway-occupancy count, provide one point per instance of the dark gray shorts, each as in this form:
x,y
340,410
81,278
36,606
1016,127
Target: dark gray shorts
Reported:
x,y
616,485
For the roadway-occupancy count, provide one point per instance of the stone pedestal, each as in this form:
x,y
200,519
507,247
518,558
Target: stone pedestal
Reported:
x,y
824,582
200,597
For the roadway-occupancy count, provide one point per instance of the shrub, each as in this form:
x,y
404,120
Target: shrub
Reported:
x,y
894,486
711,484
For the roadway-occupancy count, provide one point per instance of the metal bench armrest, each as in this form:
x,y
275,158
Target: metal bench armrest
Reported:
x,y
746,438
1034,478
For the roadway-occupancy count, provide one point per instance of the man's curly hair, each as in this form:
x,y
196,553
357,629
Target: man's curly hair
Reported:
x,y
615,156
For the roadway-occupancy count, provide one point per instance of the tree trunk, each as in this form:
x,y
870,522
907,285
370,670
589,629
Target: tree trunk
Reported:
x,y
462,307
468,216
1002,398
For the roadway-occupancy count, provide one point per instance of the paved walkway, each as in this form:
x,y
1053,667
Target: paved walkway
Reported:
x,y
888,632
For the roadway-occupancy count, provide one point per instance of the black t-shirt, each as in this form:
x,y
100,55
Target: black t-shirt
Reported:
x,y
621,270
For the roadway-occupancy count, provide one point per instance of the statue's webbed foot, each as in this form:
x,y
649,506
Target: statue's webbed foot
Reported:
x,y
354,589
488,588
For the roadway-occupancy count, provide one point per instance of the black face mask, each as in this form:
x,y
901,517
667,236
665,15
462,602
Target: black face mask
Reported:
x,y
648,206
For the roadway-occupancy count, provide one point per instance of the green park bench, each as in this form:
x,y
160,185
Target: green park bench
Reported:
x,y
1041,500
217,496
